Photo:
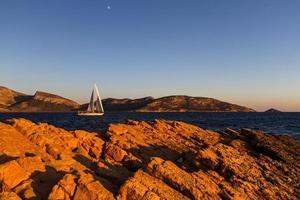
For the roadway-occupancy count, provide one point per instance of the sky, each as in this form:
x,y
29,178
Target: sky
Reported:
x,y
243,52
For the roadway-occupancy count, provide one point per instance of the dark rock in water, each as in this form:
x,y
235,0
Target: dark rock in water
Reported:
x,y
272,110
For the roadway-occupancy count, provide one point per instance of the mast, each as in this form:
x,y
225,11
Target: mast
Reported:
x,y
99,106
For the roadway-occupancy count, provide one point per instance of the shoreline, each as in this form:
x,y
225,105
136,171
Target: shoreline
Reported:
x,y
159,159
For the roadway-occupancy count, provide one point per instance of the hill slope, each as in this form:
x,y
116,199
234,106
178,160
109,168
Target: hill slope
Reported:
x,y
178,103
45,102
192,104
112,104
12,101
9,97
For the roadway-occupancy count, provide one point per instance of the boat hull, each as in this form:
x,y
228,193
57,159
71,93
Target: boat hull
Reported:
x,y
89,114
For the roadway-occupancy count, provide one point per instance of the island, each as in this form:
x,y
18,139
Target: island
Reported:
x,y
272,110
13,101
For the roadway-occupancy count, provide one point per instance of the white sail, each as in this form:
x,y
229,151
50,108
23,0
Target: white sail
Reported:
x,y
91,104
95,107
99,107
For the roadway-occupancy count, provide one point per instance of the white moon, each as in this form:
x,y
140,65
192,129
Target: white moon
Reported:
x,y
108,7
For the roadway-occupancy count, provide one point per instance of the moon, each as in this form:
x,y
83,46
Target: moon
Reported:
x,y
108,7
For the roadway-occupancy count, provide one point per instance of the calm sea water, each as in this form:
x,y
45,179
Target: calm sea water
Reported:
x,y
273,123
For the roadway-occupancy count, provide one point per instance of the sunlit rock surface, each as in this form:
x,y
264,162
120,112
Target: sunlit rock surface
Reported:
x,y
145,160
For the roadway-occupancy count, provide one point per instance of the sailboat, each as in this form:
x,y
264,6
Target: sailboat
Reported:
x,y
95,107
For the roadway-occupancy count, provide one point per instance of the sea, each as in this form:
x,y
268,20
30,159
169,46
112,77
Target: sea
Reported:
x,y
284,123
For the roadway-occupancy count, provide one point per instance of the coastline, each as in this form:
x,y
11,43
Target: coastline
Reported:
x,y
139,159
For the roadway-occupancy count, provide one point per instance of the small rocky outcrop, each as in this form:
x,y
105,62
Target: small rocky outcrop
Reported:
x,y
272,110
145,160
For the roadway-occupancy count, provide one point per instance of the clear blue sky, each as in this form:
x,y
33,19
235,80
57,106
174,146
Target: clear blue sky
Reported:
x,y
245,52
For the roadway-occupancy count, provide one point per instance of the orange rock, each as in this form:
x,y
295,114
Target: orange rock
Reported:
x,y
194,185
31,164
206,158
9,196
144,186
166,139
11,174
90,188
64,189
114,152
116,174
146,160
58,142
27,190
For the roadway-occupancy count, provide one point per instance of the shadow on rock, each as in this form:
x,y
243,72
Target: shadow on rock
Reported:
x,y
6,158
43,182
93,169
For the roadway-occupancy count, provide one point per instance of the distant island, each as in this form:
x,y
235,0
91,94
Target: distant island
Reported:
x,y
13,101
272,110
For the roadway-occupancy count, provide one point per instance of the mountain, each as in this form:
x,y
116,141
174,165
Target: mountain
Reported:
x,y
176,103
12,101
272,110
9,97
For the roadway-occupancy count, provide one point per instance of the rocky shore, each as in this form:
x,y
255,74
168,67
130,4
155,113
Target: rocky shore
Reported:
x,y
145,160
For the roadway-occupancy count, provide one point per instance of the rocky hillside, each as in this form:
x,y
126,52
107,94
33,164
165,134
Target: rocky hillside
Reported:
x,y
12,101
177,103
145,160
45,102
9,97
112,104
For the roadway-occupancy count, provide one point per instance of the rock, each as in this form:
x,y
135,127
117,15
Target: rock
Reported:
x,y
146,160
165,139
194,185
64,189
232,132
90,188
206,158
144,186
277,147
116,174
114,152
32,164
11,174
27,190
8,140
9,196
58,142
